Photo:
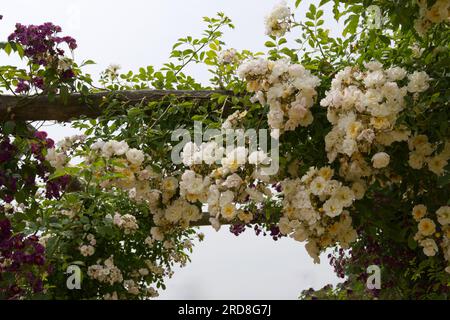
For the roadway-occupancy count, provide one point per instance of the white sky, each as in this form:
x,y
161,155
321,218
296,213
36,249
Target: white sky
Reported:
x,y
137,33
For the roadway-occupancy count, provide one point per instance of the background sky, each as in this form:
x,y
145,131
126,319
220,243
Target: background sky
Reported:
x,y
137,33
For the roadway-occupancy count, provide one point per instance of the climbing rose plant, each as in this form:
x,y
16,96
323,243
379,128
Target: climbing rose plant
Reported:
x,y
360,120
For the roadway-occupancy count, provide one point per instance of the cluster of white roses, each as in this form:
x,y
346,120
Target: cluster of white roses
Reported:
x,y
171,199
106,273
182,212
207,152
133,288
59,158
228,56
310,207
289,90
226,182
427,230
119,148
127,222
439,12
212,153
363,107
421,153
144,185
88,249
56,159
278,21
112,71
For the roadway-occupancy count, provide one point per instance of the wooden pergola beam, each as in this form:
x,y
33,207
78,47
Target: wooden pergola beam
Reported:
x,y
41,108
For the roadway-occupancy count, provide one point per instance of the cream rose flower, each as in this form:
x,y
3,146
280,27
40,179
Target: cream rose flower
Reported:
x,y
419,211
429,247
135,156
380,160
427,227
443,214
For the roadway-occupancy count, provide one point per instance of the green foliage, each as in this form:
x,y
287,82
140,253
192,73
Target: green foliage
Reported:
x,y
382,218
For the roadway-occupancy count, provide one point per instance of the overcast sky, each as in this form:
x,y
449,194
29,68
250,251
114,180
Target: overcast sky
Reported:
x,y
138,33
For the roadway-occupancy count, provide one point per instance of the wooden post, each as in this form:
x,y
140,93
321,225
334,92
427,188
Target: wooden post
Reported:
x,y
40,108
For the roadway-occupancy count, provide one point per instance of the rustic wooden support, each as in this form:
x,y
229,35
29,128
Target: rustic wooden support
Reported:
x,y
41,108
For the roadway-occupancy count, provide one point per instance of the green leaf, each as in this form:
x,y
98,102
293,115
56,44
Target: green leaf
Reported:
x,y
8,127
72,171
87,62
19,50
282,41
412,244
351,25
270,44
8,48
443,180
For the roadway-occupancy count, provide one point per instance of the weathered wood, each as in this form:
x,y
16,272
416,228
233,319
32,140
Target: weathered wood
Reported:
x,y
40,108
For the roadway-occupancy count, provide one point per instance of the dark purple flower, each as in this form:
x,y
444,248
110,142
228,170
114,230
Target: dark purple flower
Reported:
x,y
35,148
8,198
7,150
49,143
28,263
38,82
41,135
22,86
38,286
67,74
5,229
39,260
237,229
56,186
40,42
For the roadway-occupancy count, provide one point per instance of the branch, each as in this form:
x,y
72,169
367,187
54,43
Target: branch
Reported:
x,y
41,108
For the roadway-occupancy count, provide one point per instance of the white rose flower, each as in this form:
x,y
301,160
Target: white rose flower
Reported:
x,y
228,211
257,157
108,149
318,185
374,78
443,214
380,160
349,146
120,148
396,73
135,156
418,81
215,223
373,65
98,145
332,207
56,159
430,247
157,234
233,181
226,197
427,227
419,211
277,22
437,165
